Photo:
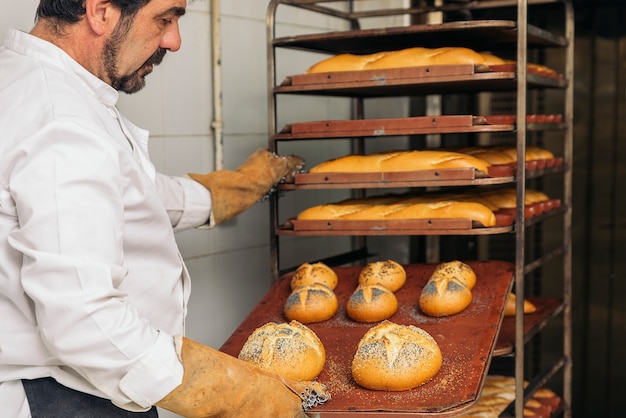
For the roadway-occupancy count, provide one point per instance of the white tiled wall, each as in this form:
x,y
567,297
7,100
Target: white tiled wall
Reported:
x,y
230,264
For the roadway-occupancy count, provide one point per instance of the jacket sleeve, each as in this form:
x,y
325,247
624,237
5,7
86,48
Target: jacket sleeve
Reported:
x,y
188,203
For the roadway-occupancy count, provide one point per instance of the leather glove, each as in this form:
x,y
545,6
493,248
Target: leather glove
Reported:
x,y
232,192
217,385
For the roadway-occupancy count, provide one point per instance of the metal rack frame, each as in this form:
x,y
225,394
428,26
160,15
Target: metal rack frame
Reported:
x,y
522,268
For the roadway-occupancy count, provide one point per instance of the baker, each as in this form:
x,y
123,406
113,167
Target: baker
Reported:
x,y
93,290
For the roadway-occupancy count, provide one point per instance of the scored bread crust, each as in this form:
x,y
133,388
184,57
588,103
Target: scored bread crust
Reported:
x,y
344,62
319,272
418,56
311,303
371,303
388,273
459,270
398,161
414,208
394,357
444,295
291,350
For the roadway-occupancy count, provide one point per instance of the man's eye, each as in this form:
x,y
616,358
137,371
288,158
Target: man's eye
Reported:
x,y
167,21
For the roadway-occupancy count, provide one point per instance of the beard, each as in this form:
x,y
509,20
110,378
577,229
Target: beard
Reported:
x,y
135,81
128,83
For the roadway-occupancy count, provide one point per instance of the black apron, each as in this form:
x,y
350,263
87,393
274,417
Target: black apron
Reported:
x,y
49,399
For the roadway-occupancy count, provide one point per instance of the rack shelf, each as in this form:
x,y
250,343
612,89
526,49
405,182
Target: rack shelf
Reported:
x,y
485,34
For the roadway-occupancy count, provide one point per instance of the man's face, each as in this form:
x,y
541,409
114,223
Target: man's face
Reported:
x,y
140,42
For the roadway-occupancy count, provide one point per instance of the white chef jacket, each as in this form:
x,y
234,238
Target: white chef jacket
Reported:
x,y
92,286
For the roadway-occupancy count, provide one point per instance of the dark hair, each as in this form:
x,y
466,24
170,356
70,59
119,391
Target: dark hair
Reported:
x,y
70,11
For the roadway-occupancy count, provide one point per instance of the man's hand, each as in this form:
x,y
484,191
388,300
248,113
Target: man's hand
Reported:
x,y
232,192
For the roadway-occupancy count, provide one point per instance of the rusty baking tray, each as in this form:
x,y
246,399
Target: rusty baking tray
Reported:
x,y
414,80
466,176
394,126
436,177
466,340
505,219
400,226
418,125
547,308
476,34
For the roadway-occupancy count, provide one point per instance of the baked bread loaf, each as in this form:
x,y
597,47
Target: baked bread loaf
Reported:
x,y
408,57
447,209
308,274
397,161
395,357
510,308
388,273
311,303
506,198
489,154
459,270
344,62
505,154
532,153
426,207
416,57
444,295
291,350
371,303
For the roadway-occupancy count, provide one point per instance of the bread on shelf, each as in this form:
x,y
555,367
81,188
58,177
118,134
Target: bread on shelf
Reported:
x,y
418,57
392,208
396,161
510,307
499,391
408,57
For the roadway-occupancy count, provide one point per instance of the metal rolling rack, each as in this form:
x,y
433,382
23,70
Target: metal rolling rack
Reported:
x,y
517,32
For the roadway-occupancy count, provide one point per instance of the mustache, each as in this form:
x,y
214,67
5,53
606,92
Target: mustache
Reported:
x,y
157,57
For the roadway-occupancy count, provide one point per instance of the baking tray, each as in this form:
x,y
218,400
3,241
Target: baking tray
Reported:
x,y
505,219
547,308
393,126
340,227
466,340
414,80
327,129
466,176
484,34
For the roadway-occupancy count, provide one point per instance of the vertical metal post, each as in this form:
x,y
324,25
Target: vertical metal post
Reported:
x,y
270,21
567,227
522,58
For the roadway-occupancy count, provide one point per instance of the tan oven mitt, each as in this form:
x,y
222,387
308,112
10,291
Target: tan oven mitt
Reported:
x,y
232,192
216,384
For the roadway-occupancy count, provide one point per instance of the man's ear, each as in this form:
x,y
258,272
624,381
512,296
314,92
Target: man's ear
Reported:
x,y
101,15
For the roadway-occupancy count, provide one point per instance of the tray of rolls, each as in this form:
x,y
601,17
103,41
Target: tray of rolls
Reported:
x,y
458,66
457,336
467,165
468,211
